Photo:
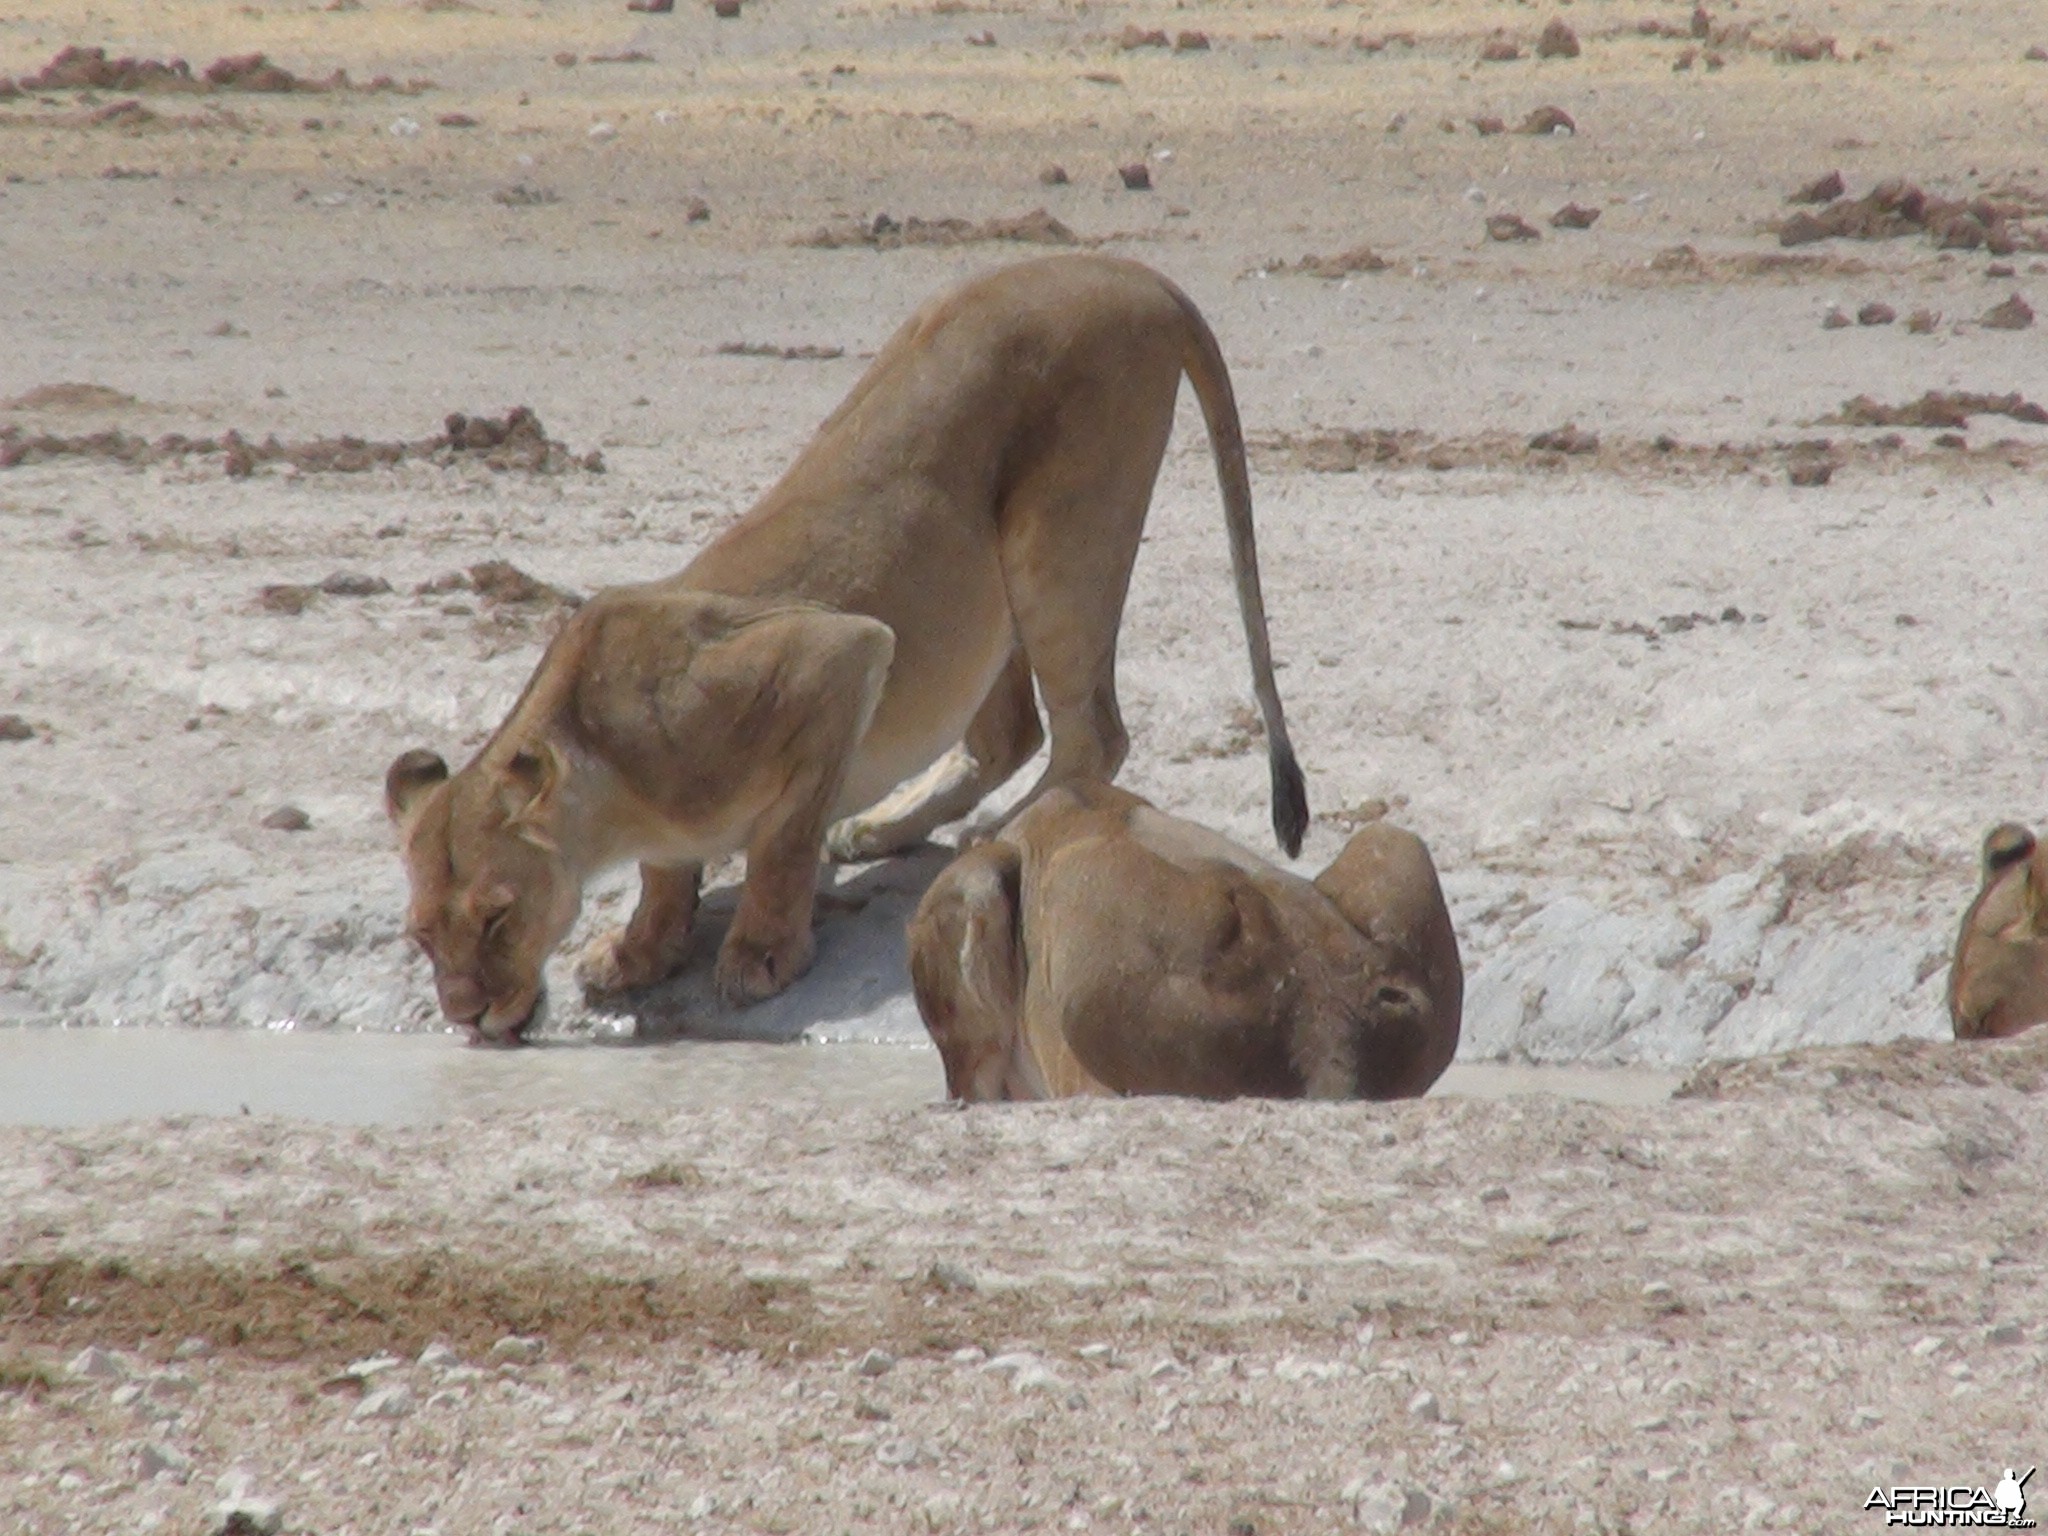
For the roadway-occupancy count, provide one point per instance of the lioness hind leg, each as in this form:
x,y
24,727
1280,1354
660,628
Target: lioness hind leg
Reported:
x,y
1004,733
967,969
655,941
1067,552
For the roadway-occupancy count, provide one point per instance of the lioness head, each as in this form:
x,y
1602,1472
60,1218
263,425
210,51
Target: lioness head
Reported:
x,y
1999,982
491,894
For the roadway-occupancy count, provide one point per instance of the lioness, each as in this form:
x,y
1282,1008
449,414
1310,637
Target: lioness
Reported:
x,y
1998,984
1099,946
962,525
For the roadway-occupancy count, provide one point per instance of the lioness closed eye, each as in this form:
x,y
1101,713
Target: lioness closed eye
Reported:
x,y
1100,946
1998,984
964,524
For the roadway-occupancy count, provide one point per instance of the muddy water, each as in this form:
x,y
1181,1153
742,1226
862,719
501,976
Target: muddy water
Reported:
x,y
86,1076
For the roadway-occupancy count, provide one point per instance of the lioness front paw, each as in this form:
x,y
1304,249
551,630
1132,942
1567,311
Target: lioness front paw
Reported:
x,y
750,971
613,963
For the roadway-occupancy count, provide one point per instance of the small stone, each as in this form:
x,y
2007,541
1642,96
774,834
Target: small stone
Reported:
x,y
566,59
2015,314
1053,176
15,728
518,1348
1424,1406
1014,1360
1834,319
2005,1333
876,1362
1034,1378
1652,1426
1930,1345
1574,216
374,1365
704,1506
1865,1418
1101,1354
1876,313
1499,50
1921,321
1657,1292
95,1364
969,1355
438,1356
248,1516
1823,189
287,598
602,131
384,1403
896,1453
1511,226
1384,1508
950,1275
405,128
2000,269
126,1395
1137,176
288,818
1558,41
1553,122
354,584
1191,42
725,10
156,1458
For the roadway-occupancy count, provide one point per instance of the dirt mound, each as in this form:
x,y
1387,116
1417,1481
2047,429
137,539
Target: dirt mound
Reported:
x,y
1897,208
2020,1063
517,441
90,69
885,233
70,397
1937,408
1360,258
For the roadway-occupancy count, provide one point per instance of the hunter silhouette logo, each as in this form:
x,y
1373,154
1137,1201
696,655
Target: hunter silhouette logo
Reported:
x,y
1960,1505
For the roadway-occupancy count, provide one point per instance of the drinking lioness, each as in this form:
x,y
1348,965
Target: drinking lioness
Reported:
x,y
1998,984
1100,946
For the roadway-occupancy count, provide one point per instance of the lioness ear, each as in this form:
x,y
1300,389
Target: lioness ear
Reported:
x,y
411,775
532,776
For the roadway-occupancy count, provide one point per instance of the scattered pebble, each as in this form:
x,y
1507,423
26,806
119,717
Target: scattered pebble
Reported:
x,y
519,1349
1511,226
1876,313
354,584
1499,50
16,728
1834,319
2015,314
1053,176
1558,41
95,1364
1574,216
439,1357
1424,1406
603,131
725,10
288,818
156,1459
1137,176
876,1362
405,128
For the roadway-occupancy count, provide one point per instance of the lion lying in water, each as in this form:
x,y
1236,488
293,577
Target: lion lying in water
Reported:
x,y
964,524
1998,984
1100,946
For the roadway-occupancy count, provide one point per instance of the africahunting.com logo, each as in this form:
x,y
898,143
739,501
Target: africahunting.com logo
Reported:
x,y
2004,1504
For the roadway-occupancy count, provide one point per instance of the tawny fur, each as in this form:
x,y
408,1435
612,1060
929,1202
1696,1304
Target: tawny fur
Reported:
x,y
1998,984
961,528
1098,946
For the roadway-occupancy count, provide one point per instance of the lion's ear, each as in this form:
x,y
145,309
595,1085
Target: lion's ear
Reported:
x,y
410,776
531,777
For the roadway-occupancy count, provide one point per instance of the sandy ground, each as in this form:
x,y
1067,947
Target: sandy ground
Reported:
x,y
1745,1309
1704,754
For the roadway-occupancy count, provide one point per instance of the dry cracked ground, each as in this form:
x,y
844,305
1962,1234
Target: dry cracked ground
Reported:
x,y
1701,677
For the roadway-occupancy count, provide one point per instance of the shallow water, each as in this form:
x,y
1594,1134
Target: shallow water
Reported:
x,y
89,1076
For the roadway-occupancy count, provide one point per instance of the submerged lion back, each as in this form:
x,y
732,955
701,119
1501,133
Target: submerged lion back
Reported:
x,y
1998,984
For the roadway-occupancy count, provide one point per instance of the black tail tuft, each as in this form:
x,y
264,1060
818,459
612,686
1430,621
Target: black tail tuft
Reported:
x,y
1290,801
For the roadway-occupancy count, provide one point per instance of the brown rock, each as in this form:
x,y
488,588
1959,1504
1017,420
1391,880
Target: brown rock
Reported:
x,y
457,120
1141,37
1805,48
1558,41
1999,269
1702,24
288,818
1921,321
354,584
1566,439
981,39
1876,313
1191,42
1822,189
1054,176
1137,176
2036,54
1574,216
1499,50
287,598
651,7
725,10
1684,61
1811,472
2015,314
1488,125
1511,226
15,728
566,59
1833,320
1547,120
